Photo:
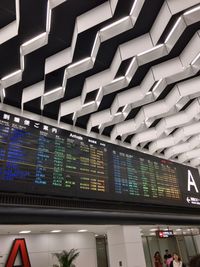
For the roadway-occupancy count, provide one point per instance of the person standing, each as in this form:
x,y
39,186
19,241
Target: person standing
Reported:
x,y
167,258
177,261
158,259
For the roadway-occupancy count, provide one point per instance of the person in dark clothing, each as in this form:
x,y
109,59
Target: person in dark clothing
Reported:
x,y
195,261
167,256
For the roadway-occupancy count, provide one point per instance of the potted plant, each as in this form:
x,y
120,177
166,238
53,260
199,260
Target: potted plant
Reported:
x,y
66,258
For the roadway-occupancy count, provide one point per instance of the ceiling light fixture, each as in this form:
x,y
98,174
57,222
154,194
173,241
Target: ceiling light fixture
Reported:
x,y
192,10
195,59
10,75
133,7
82,231
114,23
56,231
34,39
98,94
25,232
124,108
150,50
78,63
130,66
173,29
53,91
89,103
118,79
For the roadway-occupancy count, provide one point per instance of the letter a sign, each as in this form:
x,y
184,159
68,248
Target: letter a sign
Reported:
x,y
19,245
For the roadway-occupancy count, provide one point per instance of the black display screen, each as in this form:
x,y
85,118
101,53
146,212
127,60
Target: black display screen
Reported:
x,y
37,158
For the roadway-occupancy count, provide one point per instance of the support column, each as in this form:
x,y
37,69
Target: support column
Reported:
x,y
125,247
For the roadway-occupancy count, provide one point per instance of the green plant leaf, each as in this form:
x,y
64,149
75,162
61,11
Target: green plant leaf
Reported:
x,y
66,258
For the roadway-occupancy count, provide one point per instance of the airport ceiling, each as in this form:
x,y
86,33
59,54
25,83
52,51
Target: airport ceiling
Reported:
x,y
126,69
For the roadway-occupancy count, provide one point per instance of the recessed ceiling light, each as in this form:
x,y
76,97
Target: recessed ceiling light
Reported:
x,y
25,232
96,235
153,230
56,231
82,231
179,229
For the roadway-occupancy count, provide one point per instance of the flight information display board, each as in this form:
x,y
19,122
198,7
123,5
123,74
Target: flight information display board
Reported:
x,y
41,159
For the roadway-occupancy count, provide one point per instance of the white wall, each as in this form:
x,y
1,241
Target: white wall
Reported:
x,y
41,247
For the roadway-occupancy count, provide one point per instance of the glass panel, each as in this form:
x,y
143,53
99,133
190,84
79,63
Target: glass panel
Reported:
x,y
190,246
146,252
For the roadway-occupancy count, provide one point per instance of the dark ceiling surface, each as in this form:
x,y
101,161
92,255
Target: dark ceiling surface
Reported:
x,y
32,17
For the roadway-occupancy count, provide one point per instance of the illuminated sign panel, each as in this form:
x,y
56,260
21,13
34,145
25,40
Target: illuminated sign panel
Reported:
x,y
40,159
165,233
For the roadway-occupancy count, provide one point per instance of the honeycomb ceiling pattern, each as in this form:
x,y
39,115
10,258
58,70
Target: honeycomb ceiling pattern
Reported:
x,y
126,69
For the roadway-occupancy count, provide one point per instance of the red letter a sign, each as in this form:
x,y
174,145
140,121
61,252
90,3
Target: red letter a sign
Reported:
x,y
19,245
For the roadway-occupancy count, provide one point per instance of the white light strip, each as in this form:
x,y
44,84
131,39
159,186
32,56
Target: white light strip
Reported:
x,y
150,50
79,62
117,114
25,232
124,107
89,103
118,79
10,75
98,94
195,59
173,29
34,39
192,10
130,66
53,91
4,93
156,85
114,24
48,20
74,115
56,231
133,7
95,41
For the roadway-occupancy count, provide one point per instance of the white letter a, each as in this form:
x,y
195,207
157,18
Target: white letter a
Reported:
x,y
191,182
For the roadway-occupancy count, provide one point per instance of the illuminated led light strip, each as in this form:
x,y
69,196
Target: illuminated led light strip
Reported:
x,y
33,40
114,24
157,47
93,48
79,63
159,82
135,2
192,10
53,91
150,50
173,29
74,64
169,111
11,75
196,58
